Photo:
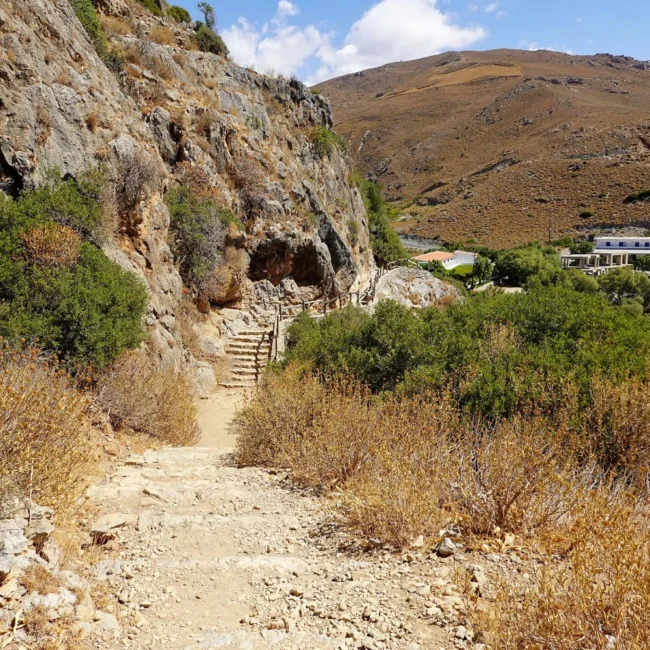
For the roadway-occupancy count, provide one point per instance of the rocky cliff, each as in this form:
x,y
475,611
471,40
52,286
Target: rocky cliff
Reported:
x,y
176,115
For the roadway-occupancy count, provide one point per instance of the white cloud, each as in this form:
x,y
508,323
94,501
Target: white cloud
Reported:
x,y
473,7
395,30
277,46
579,19
491,7
286,8
500,14
391,30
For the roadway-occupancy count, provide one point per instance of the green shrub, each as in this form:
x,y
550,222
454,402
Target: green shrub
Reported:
x,y
496,352
209,41
199,228
624,285
87,15
638,196
154,6
518,265
386,245
179,14
582,247
73,203
587,214
353,232
88,309
326,141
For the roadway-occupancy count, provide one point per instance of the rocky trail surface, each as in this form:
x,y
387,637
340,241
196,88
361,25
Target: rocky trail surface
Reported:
x,y
209,555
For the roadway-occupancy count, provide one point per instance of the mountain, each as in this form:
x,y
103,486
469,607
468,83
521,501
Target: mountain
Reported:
x,y
497,146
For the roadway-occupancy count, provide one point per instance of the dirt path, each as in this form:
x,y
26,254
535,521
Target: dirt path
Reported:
x,y
212,556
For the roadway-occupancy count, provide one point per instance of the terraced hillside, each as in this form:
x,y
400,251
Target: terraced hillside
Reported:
x,y
496,146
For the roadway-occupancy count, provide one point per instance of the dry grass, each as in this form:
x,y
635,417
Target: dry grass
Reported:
x,y
399,468
114,26
617,427
52,246
162,35
37,578
44,434
93,121
196,179
147,398
409,466
597,597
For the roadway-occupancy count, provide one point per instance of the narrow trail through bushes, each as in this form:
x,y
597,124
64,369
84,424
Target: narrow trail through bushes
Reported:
x,y
214,556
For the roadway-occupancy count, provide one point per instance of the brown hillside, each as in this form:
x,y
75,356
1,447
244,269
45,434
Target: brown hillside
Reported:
x,y
495,146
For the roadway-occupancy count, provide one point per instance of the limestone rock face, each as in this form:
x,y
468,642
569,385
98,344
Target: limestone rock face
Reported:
x,y
415,288
244,139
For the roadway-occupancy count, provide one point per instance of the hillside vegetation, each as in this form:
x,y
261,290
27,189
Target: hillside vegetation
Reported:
x,y
511,416
502,144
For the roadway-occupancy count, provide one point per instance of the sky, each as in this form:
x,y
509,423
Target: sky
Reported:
x,y
317,40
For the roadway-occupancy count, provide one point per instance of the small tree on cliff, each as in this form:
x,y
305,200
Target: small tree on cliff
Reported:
x,y
208,15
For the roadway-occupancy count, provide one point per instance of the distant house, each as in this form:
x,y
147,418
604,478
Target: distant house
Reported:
x,y
630,245
448,260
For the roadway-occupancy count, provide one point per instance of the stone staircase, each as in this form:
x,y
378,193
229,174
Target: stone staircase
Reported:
x,y
248,353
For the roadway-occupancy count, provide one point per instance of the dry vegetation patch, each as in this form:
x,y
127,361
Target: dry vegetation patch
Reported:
x,y
150,399
52,246
44,433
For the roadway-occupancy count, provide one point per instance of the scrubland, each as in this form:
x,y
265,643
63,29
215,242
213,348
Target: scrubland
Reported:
x,y
511,437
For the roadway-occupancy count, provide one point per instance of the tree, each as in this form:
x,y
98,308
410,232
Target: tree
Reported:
x,y
642,262
482,270
624,285
208,15
582,247
519,265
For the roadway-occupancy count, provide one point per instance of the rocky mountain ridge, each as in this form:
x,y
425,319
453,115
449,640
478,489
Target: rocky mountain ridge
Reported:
x,y
177,115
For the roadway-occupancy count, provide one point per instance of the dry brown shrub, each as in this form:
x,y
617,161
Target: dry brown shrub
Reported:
x,y
617,427
391,459
598,597
136,176
515,476
52,246
274,421
408,466
250,182
204,122
44,434
37,578
161,67
162,35
196,179
93,121
44,120
114,26
150,399
226,281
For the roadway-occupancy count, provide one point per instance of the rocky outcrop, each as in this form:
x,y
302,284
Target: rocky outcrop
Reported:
x,y
32,579
241,138
415,288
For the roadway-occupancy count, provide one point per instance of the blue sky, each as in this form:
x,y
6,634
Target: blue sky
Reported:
x,y
318,40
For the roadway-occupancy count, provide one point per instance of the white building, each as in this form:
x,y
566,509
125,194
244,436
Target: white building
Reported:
x,y
629,245
448,260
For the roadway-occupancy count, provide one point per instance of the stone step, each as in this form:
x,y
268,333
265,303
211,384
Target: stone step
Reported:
x,y
247,345
238,384
248,353
246,372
